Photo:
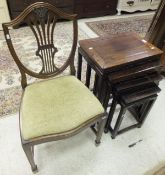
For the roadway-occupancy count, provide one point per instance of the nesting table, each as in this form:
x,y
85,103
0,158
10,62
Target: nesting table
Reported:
x,y
118,57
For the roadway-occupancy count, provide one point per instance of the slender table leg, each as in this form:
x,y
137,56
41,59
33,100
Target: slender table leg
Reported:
x,y
118,123
107,96
79,66
100,86
110,115
101,89
95,85
146,111
142,109
88,75
106,100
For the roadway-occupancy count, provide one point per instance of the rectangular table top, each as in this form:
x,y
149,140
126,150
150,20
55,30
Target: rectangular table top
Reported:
x,y
111,52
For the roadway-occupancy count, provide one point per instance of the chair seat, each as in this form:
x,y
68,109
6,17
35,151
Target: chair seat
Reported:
x,y
56,106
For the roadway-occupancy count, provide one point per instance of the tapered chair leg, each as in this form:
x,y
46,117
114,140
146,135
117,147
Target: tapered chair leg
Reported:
x,y
29,151
110,116
118,123
100,130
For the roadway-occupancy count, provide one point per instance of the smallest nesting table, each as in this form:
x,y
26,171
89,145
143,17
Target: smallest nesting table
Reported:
x,y
108,55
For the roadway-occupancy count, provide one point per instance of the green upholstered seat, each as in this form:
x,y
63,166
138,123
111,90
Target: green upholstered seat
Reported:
x,y
55,106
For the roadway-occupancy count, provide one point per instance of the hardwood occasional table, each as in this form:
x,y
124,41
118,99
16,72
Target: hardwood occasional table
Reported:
x,y
117,57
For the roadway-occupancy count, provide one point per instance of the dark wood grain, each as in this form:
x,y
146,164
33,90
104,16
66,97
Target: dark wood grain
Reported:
x,y
123,86
95,8
83,8
163,57
138,70
127,48
141,93
16,7
120,57
156,31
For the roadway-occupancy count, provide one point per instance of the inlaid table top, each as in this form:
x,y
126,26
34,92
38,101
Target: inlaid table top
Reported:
x,y
111,52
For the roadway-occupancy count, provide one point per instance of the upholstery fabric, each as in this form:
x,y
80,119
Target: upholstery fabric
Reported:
x,y
55,106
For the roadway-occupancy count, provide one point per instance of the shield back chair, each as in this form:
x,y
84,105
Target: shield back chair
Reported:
x,y
59,107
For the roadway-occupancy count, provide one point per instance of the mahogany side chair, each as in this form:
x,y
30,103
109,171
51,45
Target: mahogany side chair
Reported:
x,y
59,107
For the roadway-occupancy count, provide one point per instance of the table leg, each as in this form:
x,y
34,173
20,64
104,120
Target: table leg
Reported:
x,y
79,66
95,85
88,75
101,89
118,122
146,111
107,96
110,115
142,108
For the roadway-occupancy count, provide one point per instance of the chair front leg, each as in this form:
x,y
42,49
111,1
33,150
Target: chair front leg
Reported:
x,y
100,130
29,151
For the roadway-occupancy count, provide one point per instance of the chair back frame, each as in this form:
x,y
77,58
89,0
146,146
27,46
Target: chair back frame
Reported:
x,y
41,18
